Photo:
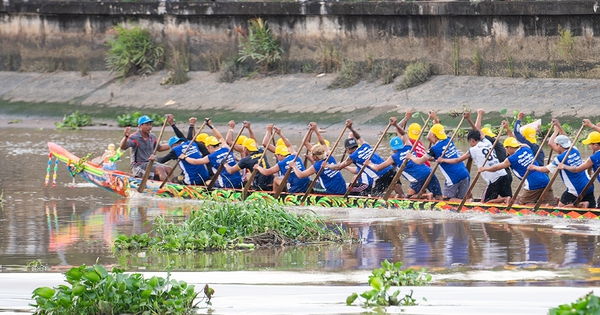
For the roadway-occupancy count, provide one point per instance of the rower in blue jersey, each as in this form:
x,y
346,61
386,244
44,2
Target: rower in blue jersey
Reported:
x,y
285,154
574,181
330,181
519,158
456,175
219,153
593,141
358,152
415,173
190,174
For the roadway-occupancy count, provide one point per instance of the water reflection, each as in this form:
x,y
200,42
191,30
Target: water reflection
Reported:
x,y
76,223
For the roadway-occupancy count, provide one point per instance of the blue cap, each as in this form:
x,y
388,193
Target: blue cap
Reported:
x,y
144,119
175,139
396,143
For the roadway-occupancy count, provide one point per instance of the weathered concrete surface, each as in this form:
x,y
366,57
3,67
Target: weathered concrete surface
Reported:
x,y
286,293
303,93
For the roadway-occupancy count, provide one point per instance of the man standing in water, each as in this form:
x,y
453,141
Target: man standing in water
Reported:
x,y
142,143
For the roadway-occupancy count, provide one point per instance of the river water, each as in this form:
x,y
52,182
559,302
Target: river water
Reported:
x,y
76,223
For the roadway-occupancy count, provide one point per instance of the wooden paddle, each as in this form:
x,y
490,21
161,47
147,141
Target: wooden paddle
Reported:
x,y
184,151
390,188
312,184
289,170
361,170
253,174
487,156
585,189
213,180
434,168
150,162
516,193
539,202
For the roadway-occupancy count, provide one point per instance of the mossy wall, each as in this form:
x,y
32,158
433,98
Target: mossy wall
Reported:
x,y
511,38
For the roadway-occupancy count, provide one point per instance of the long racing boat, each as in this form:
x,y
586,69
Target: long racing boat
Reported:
x,y
126,185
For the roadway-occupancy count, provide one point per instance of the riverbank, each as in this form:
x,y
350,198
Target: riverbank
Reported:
x,y
291,99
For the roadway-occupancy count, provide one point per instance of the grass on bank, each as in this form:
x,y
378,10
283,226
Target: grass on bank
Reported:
x,y
217,226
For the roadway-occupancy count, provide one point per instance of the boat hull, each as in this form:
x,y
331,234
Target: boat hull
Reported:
x,y
126,185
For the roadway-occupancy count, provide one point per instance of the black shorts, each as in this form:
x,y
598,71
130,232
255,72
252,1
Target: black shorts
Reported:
x,y
499,188
567,198
383,183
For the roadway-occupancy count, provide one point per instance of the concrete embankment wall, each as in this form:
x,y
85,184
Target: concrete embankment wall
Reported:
x,y
511,38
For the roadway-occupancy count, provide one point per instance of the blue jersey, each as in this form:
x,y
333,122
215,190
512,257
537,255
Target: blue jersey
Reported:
x,y
193,174
361,154
225,179
333,181
519,161
596,160
453,173
294,184
413,172
575,182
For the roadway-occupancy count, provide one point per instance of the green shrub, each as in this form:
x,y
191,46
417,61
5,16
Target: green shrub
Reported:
x,y
232,225
348,76
260,45
587,305
415,74
232,70
390,275
74,121
92,290
132,119
133,50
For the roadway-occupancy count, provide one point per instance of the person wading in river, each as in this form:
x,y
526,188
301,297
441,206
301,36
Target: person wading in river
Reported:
x,y
142,144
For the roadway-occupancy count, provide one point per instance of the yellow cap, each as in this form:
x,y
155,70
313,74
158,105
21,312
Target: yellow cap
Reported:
x,y
438,131
280,142
488,132
511,142
326,143
529,134
240,139
201,137
282,150
414,130
593,137
250,144
212,140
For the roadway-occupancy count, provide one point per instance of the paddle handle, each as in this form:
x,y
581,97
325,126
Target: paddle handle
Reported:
x,y
434,168
289,170
487,156
586,188
184,152
253,174
213,180
388,191
545,191
537,153
361,170
151,162
312,184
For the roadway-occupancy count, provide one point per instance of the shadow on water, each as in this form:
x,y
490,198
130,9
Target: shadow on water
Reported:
x,y
76,223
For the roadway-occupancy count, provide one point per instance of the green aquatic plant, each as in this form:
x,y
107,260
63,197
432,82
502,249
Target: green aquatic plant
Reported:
x,y
132,119
36,265
74,121
214,226
587,305
382,279
93,290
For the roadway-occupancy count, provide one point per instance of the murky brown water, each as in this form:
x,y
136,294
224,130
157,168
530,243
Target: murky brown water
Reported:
x,y
76,223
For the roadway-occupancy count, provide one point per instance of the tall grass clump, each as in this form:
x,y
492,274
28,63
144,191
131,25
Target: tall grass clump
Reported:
x,y
179,65
477,62
349,75
384,71
133,51
566,42
414,74
260,45
93,290
214,226
331,59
